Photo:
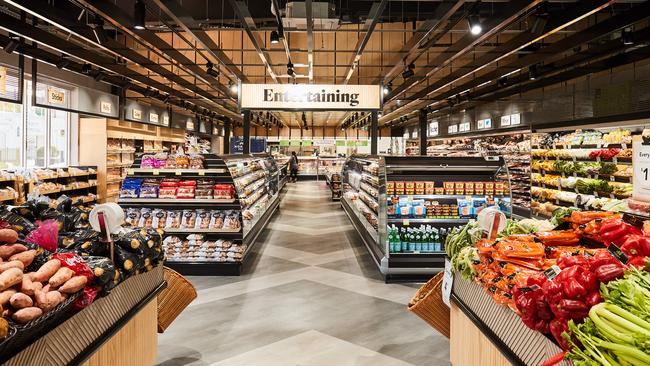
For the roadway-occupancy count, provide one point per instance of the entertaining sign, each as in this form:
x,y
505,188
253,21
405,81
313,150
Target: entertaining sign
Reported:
x,y
310,97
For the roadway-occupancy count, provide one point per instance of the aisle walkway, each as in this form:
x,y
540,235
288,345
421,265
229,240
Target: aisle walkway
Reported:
x,y
313,296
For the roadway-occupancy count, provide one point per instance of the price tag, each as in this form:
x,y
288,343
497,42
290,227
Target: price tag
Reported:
x,y
598,159
447,283
605,146
611,178
178,173
130,172
201,172
156,172
624,146
405,222
615,160
617,253
598,145
552,272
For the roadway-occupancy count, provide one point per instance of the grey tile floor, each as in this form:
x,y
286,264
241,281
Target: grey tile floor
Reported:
x,y
311,296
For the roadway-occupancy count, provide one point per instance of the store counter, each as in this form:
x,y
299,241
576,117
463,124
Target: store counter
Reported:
x,y
486,333
117,329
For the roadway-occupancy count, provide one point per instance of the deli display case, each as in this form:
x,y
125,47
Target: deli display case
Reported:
x,y
403,207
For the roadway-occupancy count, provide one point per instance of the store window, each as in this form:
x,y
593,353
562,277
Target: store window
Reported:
x,y
32,136
11,135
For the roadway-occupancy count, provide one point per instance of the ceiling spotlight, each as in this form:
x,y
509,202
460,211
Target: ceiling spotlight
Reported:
x,y
387,89
139,14
408,72
290,69
86,68
63,62
474,24
100,76
626,37
532,72
275,37
501,82
149,92
210,70
233,87
11,45
166,98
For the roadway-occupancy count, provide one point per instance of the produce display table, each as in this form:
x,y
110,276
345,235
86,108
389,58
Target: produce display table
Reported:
x,y
486,333
118,329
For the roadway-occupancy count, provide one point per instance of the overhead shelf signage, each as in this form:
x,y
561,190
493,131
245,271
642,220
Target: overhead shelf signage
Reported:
x,y
510,120
433,129
136,112
484,123
452,129
55,96
313,97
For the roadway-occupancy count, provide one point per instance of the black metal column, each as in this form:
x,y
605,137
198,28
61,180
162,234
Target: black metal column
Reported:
x,y
374,132
423,132
226,137
247,132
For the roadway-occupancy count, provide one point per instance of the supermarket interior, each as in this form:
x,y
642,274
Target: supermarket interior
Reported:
x,y
343,182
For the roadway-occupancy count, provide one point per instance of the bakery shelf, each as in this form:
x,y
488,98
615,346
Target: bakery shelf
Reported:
x,y
193,172
603,145
405,221
202,231
175,200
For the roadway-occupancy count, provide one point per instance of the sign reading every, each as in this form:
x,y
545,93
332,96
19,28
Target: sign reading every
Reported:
x,y
310,97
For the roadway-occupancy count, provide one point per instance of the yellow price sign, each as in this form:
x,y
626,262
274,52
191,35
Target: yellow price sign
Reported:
x,y
201,172
405,222
156,172
178,173
130,172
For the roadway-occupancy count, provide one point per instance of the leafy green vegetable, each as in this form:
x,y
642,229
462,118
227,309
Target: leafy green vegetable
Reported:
x,y
608,169
631,292
560,213
467,236
464,262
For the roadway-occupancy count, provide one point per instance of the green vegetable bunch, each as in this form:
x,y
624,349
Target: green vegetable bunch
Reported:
x,y
608,169
464,262
466,236
514,227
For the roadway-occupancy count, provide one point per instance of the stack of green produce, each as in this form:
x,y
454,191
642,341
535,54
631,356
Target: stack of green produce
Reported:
x,y
617,331
459,246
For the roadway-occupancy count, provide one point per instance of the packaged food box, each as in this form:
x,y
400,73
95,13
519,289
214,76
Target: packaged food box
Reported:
x,y
399,188
409,187
459,187
439,190
449,187
419,187
390,188
479,188
489,187
499,188
429,188
469,187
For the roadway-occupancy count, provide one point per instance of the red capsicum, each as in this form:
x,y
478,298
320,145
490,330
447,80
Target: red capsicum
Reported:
x,y
636,245
601,258
557,327
616,231
609,272
570,309
574,289
566,261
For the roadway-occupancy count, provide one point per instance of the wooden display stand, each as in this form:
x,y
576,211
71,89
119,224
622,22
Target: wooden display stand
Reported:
x,y
135,344
468,346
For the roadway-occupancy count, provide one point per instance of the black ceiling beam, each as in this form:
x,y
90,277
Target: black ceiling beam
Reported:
x,y
594,32
368,27
555,22
193,27
40,36
53,14
125,23
511,13
420,41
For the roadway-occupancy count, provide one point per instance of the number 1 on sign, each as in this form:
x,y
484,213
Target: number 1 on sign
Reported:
x,y
645,173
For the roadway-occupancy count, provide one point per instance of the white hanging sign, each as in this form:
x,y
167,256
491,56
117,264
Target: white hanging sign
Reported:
x,y
505,121
433,129
153,117
55,96
641,170
137,114
310,97
515,119
106,107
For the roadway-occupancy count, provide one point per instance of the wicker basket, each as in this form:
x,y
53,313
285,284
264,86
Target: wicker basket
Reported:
x,y
427,304
173,299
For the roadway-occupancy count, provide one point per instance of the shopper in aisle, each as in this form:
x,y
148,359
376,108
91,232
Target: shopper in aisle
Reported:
x,y
293,175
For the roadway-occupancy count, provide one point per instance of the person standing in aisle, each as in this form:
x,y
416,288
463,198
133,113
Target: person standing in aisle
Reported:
x,y
293,164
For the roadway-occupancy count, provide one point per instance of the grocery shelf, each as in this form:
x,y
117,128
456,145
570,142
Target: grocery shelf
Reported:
x,y
201,231
133,171
5,199
586,146
445,196
175,200
428,221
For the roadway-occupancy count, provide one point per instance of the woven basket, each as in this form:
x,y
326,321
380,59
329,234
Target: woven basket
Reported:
x,y
427,304
173,299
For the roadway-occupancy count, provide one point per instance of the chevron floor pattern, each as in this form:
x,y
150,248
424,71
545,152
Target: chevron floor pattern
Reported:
x,y
312,296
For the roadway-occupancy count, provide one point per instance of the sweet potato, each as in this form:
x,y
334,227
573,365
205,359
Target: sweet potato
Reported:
x,y
61,276
6,295
4,328
46,271
47,301
20,300
12,264
26,257
10,277
8,236
6,313
28,286
8,250
24,316
74,284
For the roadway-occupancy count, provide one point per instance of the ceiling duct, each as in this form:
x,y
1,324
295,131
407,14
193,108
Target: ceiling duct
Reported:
x,y
323,14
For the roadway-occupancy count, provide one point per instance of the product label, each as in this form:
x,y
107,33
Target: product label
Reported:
x,y
617,253
105,107
136,114
447,283
552,272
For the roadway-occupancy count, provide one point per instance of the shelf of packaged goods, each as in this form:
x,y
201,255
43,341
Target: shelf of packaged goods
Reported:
x,y
444,196
7,180
408,221
367,233
368,192
86,199
572,190
120,151
246,207
175,200
257,171
360,214
114,180
250,237
255,190
521,194
603,145
242,187
370,179
202,231
435,253
374,211
193,172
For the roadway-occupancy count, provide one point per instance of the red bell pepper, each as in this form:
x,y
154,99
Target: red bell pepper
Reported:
x,y
553,291
594,298
570,309
600,259
573,289
616,231
557,327
589,281
609,272
640,262
566,261
636,245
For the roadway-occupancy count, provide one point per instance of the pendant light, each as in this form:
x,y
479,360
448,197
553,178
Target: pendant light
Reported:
x,y
139,13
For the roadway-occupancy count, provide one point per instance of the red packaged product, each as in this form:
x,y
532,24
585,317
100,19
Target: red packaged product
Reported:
x,y
185,192
75,263
224,191
167,192
169,183
187,183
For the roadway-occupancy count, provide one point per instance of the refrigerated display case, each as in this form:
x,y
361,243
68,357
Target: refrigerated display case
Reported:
x,y
210,229
403,207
